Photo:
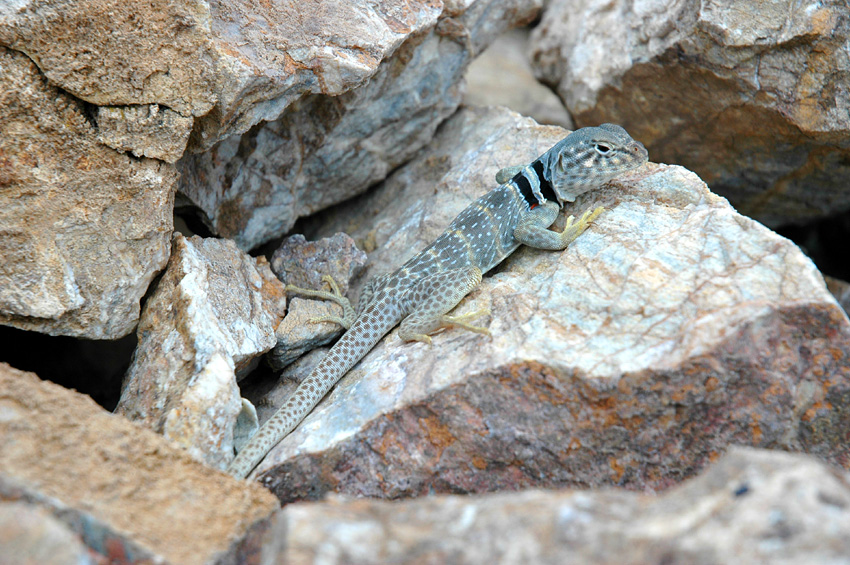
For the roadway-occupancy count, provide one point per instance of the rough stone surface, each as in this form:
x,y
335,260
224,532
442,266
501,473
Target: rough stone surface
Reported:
x,y
71,261
30,535
42,529
211,316
145,131
157,52
671,329
840,290
324,150
100,473
751,507
752,96
302,263
502,76
229,65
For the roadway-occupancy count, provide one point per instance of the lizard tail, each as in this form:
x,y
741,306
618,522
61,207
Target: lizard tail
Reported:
x,y
382,315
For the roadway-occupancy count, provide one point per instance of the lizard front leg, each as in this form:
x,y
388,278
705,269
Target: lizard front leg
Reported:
x,y
532,228
506,174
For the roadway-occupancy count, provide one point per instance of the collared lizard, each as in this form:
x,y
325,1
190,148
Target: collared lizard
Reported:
x,y
421,293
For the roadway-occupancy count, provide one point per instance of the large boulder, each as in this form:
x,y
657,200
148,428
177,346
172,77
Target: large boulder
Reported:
x,y
671,329
752,96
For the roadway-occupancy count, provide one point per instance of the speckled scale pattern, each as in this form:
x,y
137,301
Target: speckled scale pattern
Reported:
x,y
423,290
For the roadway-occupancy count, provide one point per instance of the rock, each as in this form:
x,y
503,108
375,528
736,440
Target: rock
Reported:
x,y
146,131
29,534
298,333
323,150
671,329
226,65
121,488
303,264
109,55
753,97
212,315
750,507
840,290
501,76
71,261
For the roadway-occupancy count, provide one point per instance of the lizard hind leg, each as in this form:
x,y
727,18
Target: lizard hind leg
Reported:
x,y
335,295
432,297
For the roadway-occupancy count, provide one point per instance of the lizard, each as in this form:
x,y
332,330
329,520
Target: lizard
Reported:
x,y
419,295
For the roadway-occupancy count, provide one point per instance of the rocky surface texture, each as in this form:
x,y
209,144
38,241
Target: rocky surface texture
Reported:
x,y
70,262
119,489
210,317
93,84
502,76
752,96
253,188
303,264
671,329
750,507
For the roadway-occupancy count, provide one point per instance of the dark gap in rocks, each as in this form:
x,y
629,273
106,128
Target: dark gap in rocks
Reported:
x,y
92,367
87,109
189,221
268,248
259,382
825,241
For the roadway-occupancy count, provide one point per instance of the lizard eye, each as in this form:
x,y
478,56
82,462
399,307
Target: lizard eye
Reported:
x,y
602,149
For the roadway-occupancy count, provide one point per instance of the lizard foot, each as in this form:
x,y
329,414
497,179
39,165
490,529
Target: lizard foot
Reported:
x,y
574,228
348,313
461,321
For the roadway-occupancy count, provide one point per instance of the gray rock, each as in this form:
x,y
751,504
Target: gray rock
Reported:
x,y
302,264
671,329
502,76
752,96
228,65
29,535
212,315
752,506
324,150
83,228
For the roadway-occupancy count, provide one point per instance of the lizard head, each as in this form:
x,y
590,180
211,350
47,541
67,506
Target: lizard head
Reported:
x,y
590,157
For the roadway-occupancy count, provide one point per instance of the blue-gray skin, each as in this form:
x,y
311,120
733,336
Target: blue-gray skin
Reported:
x,y
419,295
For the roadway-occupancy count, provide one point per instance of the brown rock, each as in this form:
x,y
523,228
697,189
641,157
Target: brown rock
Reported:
x,y
750,507
94,469
673,328
146,131
110,54
751,96
212,315
229,64
83,228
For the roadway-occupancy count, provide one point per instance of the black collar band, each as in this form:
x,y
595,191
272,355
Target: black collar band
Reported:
x,y
524,185
545,186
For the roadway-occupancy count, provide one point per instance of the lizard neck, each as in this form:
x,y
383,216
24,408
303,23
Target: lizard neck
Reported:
x,y
534,186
